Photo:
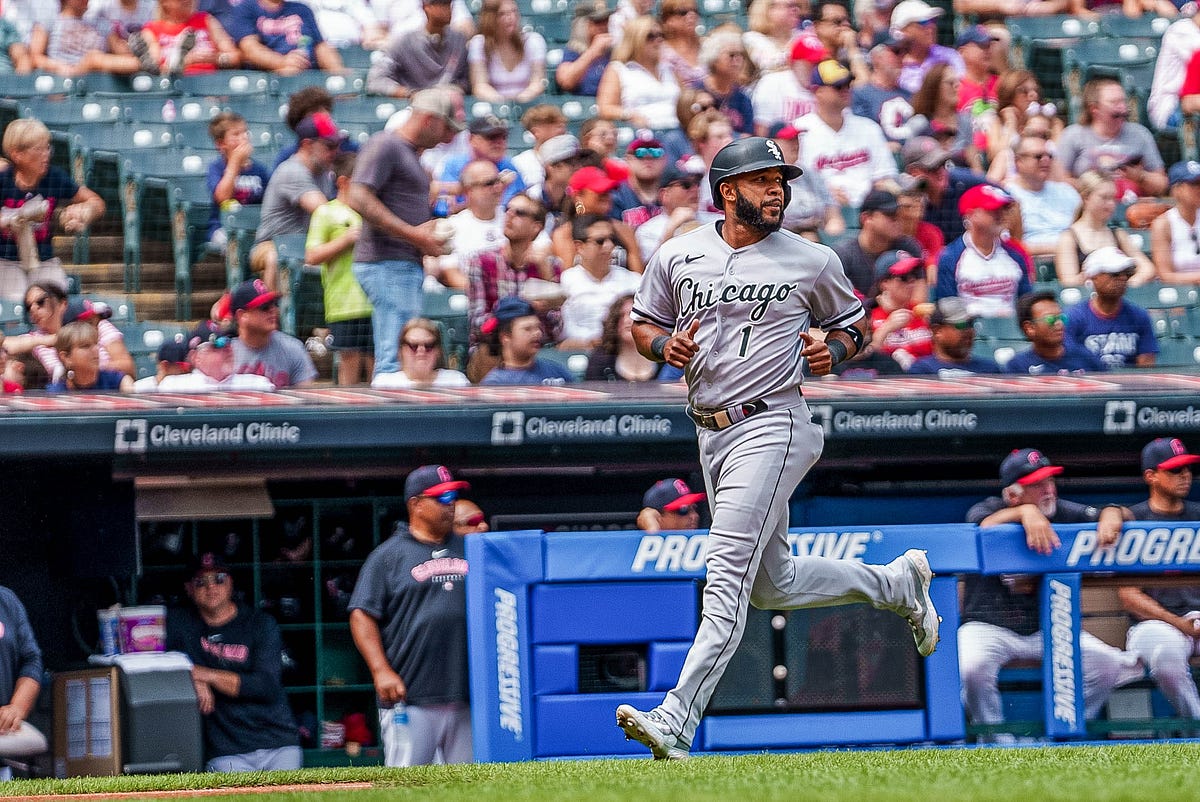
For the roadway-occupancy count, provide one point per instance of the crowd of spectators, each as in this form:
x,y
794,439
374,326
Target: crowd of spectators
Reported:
x,y
937,147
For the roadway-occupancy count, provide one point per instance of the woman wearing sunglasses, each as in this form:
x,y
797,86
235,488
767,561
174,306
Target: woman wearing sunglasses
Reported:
x,y
593,283
422,363
640,88
48,309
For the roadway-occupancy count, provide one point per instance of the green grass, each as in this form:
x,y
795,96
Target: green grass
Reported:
x,y
1141,773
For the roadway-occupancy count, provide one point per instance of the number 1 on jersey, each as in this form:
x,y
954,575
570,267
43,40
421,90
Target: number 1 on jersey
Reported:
x,y
745,346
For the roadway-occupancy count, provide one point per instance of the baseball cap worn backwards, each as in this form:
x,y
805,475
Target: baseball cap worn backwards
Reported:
x,y
1167,454
831,72
1187,172
319,125
670,494
83,309
1027,466
431,481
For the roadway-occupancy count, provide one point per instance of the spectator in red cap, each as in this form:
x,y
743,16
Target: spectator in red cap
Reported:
x,y
786,95
772,26
984,269
408,618
261,348
590,192
635,201
208,353
297,187
897,330
1166,635
670,505
1001,619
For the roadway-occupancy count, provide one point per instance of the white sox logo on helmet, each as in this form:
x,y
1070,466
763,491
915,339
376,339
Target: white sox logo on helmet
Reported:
x,y
774,148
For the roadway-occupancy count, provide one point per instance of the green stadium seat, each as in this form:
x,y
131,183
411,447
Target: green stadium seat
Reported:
x,y
366,110
1092,58
189,206
295,282
1147,26
1178,353
1038,44
448,309
998,329
572,360
352,83
69,111
102,84
240,226
356,57
225,84
143,339
145,179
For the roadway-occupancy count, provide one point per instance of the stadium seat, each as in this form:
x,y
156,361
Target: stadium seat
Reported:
x,y
102,84
240,225
293,276
352,83
998,329
572,360
356,57
145,179
143,339
366,110
448,309
1092,58
1147,26
189,206
56,113
1178,353
1038,44
225,84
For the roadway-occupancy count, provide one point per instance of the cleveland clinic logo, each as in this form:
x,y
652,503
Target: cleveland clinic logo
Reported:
x,y
130,436
508,428
823,414
1120,417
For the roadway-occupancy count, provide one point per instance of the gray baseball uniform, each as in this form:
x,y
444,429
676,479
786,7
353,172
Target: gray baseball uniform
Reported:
x,y
752,305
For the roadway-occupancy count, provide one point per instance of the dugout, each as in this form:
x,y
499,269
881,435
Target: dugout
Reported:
x,y
107,496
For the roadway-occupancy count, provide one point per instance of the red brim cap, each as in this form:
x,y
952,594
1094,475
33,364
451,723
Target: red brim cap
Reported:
x,y
904,266
265,298
685,500
1178,462
1040,474
446,487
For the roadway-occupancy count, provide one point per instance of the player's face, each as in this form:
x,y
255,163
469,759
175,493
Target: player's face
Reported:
x,y
1043,495
759,199
1047,325
1175,483
434,514
211,590
684,518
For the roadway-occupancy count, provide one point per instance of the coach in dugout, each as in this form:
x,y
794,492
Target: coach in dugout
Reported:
x,y
1165,636
670,505
1000,614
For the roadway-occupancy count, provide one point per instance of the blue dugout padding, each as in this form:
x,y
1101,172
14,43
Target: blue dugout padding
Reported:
x,y
536,600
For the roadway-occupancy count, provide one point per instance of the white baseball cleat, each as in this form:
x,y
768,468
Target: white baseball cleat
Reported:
x,y
922,617
652,732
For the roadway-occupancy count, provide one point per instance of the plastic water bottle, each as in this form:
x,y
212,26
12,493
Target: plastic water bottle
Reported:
x,y
400,727
441,207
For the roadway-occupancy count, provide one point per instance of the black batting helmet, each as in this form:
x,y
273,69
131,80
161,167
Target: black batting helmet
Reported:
x,y
746,156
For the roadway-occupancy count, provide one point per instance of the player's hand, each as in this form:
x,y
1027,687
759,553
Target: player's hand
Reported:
x,y
205,700
680,348
820,361
10,719
1039,534
389,687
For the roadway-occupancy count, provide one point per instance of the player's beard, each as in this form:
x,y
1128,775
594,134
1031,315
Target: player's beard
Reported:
x,y
752,215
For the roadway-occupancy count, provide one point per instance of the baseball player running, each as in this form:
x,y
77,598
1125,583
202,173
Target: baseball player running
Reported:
x,y
732,303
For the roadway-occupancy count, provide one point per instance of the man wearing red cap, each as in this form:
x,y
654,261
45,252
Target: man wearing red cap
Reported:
x,y
408,618
785,95
1166,637
984,269
1001,617
261,348
670,505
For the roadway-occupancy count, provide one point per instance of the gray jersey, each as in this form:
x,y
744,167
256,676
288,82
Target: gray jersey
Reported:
x,y
752,304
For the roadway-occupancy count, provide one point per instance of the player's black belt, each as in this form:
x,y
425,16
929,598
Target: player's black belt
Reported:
x,y
724,418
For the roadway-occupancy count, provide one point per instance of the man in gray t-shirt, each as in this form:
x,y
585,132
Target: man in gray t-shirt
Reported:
x,y
432,55
297,187
390,190
260,348
1105,140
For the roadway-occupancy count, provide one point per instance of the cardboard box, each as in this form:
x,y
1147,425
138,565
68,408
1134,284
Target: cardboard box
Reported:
x,y
87,727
